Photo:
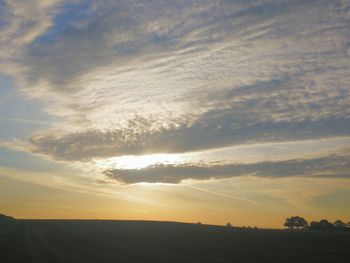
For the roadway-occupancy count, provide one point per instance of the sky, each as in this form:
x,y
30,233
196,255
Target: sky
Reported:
x,y
184,110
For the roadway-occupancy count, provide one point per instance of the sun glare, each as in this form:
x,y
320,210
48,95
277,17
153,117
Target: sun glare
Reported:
x,y
138,162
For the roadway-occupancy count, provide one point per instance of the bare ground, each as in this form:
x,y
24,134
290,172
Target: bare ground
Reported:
x,y
87,241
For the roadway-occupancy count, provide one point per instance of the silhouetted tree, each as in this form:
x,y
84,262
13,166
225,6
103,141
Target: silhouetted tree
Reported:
x,y
326,225
295,222
228,225
322,225
289,223
315,226
340,225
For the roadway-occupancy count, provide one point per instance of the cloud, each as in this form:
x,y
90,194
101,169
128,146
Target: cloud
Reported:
x,y
112,35
22,22
133,77
336,165
273,111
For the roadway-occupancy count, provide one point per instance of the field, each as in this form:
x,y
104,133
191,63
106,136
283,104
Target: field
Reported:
x,y
72,241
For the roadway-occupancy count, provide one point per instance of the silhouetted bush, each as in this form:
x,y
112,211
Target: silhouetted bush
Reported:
x,y
296,222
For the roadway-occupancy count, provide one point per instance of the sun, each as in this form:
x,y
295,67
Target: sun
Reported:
x,y
138,161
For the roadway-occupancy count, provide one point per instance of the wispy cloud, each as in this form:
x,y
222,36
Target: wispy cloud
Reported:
x,y
40,122
21,23
180,76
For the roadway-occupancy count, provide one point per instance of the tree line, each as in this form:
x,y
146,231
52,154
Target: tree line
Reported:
x,y
297,222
